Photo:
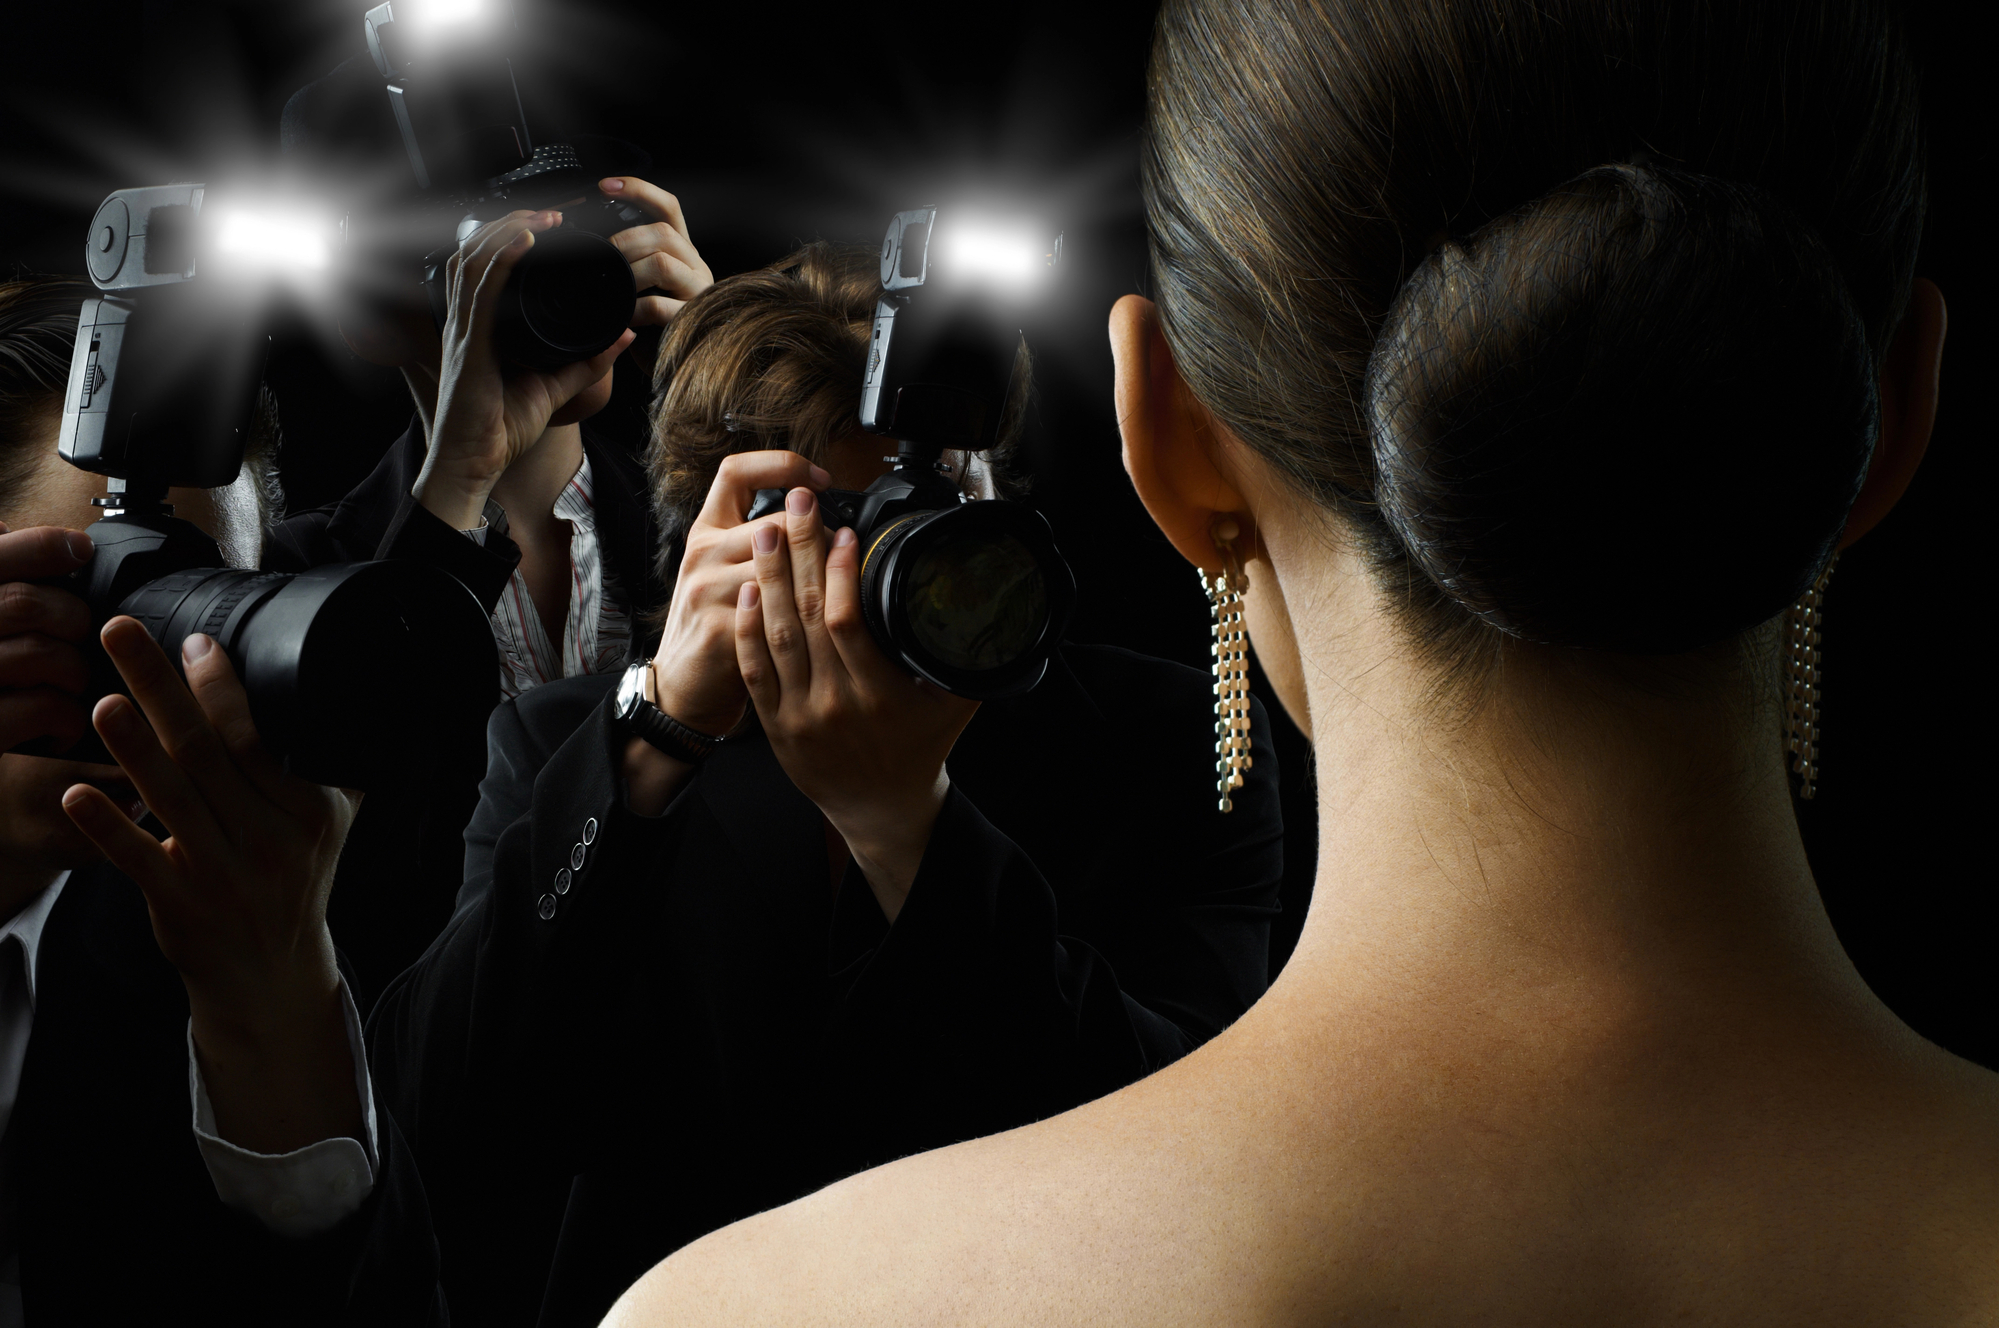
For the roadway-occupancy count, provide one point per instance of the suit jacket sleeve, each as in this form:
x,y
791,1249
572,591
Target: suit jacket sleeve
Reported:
x,y
381,519
982,1008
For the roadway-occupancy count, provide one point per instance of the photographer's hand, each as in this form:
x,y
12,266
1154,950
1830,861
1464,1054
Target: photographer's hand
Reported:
x,y
860,737
695,676
662,255
42,673
237,894
486,417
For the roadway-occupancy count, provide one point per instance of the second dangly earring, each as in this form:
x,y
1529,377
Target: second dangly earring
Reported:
x,y
1231,669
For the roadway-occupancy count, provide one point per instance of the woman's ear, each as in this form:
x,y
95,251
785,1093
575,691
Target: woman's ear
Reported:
x,y
1170,440
1908,409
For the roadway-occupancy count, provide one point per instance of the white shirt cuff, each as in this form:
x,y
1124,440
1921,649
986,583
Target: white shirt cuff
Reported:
x,y
478,533
308,1190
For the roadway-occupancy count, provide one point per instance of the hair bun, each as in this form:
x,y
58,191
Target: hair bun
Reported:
x,y
1631,415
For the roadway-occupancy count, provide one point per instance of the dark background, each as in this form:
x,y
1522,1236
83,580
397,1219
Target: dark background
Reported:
x,y
781,122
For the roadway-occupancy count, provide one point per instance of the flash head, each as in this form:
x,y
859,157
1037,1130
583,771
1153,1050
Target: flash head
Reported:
x,y
943,354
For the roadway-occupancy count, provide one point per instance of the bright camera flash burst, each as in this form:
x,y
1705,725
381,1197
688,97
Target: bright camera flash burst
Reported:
x,y
996,254
272,241
440,12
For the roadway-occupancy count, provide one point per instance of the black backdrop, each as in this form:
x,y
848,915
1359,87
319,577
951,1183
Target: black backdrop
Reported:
x,y
779,122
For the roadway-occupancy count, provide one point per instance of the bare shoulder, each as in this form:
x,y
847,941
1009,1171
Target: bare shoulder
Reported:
x,y
1031,1226
905,1243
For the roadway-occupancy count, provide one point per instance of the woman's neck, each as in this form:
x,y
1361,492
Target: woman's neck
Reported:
x,y
1555,842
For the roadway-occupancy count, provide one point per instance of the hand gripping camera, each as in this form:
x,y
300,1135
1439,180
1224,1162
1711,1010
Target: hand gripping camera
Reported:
x,y
971,595
348,667
450,82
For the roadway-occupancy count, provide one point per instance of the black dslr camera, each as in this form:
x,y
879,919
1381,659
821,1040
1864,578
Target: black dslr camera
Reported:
x,y
972,596
349,668
449,76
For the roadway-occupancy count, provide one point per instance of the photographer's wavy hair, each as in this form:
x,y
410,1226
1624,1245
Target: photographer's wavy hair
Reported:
x,y
37,333
774,359
1570,311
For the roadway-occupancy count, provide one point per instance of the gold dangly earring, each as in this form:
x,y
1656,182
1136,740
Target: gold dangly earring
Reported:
x,y
1231,651
1802,625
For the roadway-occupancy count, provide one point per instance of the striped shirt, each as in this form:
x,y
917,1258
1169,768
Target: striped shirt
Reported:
x,y
598,627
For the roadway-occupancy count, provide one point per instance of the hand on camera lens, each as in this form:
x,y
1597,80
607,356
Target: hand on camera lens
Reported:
x,y
487,417
662,255
859,736
238,892
42,673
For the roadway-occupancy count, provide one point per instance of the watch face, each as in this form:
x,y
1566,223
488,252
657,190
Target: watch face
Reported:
x,y
631,689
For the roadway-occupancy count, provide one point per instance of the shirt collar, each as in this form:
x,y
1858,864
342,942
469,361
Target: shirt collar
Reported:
x,y
27,927
577,501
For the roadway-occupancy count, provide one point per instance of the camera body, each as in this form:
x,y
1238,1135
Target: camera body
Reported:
x,y
451,84
572,294
972,596
348,667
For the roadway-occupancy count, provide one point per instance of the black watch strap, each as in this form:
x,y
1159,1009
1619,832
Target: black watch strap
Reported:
x,y
648,721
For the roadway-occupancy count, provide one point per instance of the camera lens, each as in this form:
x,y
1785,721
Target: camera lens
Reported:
x,y
568,299
353,670
972,597
976,602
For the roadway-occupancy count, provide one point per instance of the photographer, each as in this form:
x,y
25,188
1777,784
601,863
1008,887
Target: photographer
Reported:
x,y
675,994
187,1127
550,529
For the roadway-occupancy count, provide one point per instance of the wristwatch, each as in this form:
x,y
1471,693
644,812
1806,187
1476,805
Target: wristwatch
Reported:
x,y
643,719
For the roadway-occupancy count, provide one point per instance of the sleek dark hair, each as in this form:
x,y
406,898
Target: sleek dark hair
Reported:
x,y
1570,309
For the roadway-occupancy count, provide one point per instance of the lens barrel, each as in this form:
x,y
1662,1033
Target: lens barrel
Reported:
x,y
973,597
355,671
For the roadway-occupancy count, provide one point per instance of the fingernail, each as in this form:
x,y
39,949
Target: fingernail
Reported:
x,y
798,502
72,796
80,547
194,647
612,185
765,540
822,478
843,537
747,598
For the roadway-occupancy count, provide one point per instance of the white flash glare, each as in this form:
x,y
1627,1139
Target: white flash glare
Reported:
x,y
992,254
272,242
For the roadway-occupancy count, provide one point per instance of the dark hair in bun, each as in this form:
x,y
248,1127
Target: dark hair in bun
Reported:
x,y
1631,414
1623,407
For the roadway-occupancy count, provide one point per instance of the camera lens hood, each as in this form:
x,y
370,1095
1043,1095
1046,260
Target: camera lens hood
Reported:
x,y
569,298
973,597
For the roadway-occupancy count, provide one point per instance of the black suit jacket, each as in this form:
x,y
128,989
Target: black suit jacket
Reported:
x,y
120,1221
704,1026
404,855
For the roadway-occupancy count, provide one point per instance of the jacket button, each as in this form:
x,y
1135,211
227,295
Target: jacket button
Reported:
x,y
562,880
576,857
590,831
546,907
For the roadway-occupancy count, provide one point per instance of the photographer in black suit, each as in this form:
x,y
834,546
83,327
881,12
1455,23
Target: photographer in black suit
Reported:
x,y
187,1128
678,990
554,536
